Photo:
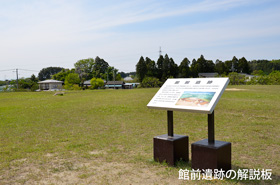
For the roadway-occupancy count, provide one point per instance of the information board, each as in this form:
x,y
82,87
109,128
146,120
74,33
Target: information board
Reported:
x,y
189,94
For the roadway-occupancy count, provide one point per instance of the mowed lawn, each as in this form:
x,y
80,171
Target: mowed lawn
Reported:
x,y
106,136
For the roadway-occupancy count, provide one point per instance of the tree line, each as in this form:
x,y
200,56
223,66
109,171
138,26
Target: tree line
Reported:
x,y
85,69
153,74
23,84
96,70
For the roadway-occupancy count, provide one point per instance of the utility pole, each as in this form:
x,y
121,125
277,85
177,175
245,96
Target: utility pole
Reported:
x,y
17,77
232,67
114,77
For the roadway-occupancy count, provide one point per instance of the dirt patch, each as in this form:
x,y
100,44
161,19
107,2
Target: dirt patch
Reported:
x,y
102,172
97,152
234,89
88,171
49,155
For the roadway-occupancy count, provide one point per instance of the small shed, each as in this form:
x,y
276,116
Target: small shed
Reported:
x,y
87,83
50,85
115,84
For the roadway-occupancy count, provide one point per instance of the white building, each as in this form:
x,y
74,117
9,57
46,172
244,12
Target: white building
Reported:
x,y
50,85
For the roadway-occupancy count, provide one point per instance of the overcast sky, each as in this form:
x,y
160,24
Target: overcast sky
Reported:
x,y
35,34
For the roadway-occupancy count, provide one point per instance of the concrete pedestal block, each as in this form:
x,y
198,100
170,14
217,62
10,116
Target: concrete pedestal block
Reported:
x,y
215,155
171,149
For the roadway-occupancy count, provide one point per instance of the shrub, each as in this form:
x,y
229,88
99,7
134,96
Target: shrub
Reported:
x,y
150,82
70,80
272,79
236,79
96,83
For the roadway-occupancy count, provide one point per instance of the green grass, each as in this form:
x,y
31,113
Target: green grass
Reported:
x,y
54,134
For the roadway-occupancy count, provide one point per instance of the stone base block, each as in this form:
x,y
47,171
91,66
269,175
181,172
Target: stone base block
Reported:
x,y
211,156
171,149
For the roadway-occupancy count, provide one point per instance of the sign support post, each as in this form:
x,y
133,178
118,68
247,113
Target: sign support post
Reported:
x,y
199,95
171,147
170,123
210,153
211,128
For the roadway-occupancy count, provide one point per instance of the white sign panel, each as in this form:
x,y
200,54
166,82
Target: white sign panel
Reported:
x,y
189,94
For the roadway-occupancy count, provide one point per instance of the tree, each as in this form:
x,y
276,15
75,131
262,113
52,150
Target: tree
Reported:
x,y
184,68
118,77
33,78
26,83
2,83
62,74
243,66
192,69
46,73
169,69
265,65
275,77
234,65
173,68
151,67
123,74
141,69
210,66
260,80
160,67
228,64
258,73
202,66
34,83
71,79
196,66
220,67
96,83
165,69
99,68
112,74
84,68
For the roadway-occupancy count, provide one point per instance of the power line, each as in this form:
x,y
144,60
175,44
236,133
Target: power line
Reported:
x,y
19,69
29,70
7,70
17,72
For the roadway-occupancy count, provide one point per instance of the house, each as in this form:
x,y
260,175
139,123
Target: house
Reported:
x,y
131,85
207,75
247,76
115,84
50,85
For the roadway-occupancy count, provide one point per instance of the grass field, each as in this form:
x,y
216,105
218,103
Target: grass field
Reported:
x,y
106,136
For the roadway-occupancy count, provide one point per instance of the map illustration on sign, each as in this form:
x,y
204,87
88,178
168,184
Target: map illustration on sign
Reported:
x,y
195,99
189,94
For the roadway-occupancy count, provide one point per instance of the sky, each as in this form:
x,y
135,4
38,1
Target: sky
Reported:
x,y
35,34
